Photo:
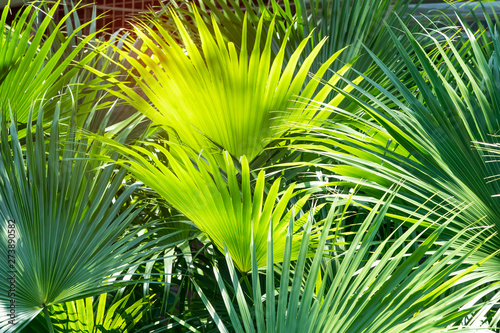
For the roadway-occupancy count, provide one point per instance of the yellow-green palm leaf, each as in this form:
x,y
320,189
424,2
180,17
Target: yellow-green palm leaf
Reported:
x,y
36,64
220,201
214,93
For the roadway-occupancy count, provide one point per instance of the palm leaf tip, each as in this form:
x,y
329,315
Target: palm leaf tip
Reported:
x,y
400,283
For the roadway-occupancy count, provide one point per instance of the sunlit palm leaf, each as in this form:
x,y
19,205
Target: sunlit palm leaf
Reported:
x,y
219,95
213,199
30,68
94,316
80,317
318,19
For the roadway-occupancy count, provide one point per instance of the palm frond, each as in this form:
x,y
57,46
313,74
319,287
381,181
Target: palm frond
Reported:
x,y
91,315
31,69
219,199
427,136
373,290
62,225
219,95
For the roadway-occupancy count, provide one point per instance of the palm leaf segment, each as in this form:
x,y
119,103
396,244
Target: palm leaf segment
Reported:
x,y
91,315
397,284
235,99
428,139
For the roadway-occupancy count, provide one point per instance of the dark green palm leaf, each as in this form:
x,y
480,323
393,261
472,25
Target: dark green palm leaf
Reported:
x,y
427,135
379,286
69,234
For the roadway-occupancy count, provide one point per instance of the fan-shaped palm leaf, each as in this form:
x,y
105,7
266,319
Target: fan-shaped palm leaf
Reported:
x,y
219,95
212,198
80,317
317,19
60,223
31,69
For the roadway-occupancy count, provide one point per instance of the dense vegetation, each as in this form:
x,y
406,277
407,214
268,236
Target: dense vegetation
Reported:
x,y
234,166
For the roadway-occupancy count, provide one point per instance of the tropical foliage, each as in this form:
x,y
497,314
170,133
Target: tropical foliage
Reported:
x,y
239,166
239,96
382,293
432,139
41,62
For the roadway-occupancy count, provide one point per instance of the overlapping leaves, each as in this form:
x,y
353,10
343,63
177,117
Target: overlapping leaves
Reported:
x,y
428,136
219,199
395,285
31,67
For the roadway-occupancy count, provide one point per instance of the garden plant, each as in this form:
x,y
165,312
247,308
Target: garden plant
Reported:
x,y
250,166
